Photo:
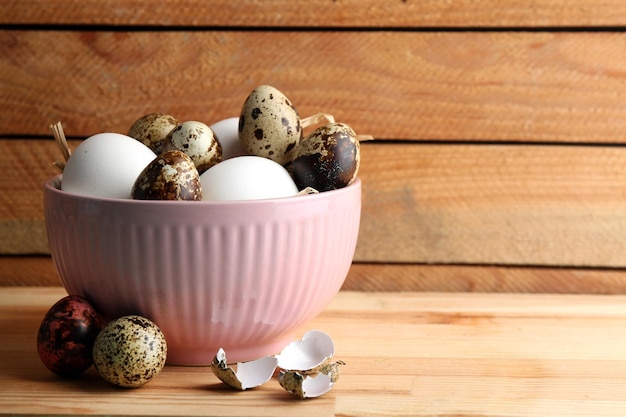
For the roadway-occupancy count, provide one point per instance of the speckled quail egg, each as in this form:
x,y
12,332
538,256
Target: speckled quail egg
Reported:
x,y
105,165
130,351
66,336
196,140
327,159
171,176
152,129
269,125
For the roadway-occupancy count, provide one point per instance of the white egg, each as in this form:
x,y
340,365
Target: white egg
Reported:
x,y
247,178
227,134
106,165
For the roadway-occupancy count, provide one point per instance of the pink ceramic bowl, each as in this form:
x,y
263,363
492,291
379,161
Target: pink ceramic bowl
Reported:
x,y
241,275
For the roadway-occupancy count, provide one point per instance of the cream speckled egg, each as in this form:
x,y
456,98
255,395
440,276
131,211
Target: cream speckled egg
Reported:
x,y
269,125
197,140
152,129
130,351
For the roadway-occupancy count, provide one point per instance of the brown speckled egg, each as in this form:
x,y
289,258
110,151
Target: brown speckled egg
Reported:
x,y
171,176
130,351
66,336
269,125
327,159
152,129
198,141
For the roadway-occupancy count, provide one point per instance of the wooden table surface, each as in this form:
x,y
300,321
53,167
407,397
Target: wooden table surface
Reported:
x,y
406,353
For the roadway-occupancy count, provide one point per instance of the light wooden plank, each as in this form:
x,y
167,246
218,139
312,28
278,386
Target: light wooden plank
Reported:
x,y
406,354
427,203
317,13
477,86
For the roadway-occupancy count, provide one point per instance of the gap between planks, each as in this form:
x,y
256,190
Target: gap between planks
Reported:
x,y
374,277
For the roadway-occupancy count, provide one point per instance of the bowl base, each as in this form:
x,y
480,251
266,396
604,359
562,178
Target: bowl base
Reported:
x,y
180,355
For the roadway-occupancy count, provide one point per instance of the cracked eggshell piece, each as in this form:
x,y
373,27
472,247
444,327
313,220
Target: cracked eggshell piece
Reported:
x,y
247,375
314,350
305,386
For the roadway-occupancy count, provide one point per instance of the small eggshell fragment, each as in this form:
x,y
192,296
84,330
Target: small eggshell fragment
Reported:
x,y
312,351
196,140
305,386
327,159
171,176
246,375
306,367
152,129
227,134
269,125
247,178
105,165
130,351
66,336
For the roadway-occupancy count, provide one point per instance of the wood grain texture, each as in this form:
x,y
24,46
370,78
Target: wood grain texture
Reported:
x,y
317,13
406,354
494,204
370,277
483,278
462,86
499,124
427,203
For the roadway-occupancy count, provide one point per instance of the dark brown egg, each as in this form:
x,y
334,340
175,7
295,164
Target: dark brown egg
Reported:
x,y
171,176
66,336
327,159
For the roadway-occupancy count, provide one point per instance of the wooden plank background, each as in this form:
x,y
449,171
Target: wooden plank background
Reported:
x,y
498,163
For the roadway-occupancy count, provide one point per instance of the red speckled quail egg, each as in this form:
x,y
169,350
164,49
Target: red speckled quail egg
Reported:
x,y
269,125
66,336
196,140
130,351
247,178
105,165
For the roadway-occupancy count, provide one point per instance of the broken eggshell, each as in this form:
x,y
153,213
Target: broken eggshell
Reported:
x,y
306,385
306,370
306,367
246,375
307,354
